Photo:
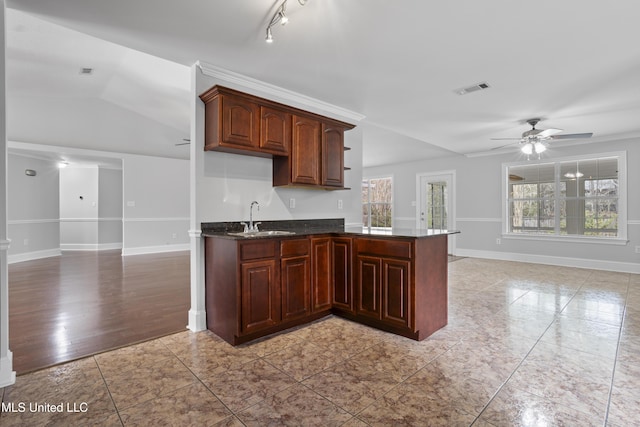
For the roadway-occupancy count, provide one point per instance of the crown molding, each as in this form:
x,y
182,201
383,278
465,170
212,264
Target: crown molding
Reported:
x,y
276,91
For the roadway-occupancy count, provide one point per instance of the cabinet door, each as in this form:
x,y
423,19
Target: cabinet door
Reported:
x,y
275,130
341,274
332,156
395,292
305,151
320,274
260,295
240,125
295,287
368,286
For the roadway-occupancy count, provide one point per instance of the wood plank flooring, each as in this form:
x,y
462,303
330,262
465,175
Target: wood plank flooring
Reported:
x,y
83,303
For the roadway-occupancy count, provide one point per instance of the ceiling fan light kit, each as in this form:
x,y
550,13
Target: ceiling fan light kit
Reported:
x,y
533,140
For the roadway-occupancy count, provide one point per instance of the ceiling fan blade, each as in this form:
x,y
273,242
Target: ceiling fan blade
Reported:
x,y
572,136
548,132
506,139
505,145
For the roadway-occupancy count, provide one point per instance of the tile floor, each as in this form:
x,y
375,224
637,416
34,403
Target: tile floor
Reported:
x,y
526,345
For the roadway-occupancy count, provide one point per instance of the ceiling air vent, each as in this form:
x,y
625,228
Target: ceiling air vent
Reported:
x,y
474,88
86,71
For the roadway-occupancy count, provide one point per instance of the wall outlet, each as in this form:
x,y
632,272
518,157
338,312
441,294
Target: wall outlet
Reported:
x,y
638,249
131,204
174,236
413,203
292,203
26,242
498,241
339,203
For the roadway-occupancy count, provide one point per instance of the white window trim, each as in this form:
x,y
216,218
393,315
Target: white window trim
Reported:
x,y
622,202
393,218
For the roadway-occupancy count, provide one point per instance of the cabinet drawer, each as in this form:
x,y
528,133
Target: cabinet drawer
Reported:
x,y
295,247
391,248
258,250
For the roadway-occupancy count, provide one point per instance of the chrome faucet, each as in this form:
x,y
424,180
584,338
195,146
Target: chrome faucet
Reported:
x,y
251,227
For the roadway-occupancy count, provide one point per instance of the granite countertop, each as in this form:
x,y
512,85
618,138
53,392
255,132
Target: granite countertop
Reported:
x,y
312,227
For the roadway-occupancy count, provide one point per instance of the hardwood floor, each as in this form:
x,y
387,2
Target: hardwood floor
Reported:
x,y
83,303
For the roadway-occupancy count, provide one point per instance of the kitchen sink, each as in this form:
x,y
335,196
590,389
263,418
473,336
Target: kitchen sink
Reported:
x,y
262,233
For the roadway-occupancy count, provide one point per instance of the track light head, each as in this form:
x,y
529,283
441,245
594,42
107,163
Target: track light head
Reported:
x,y
269,38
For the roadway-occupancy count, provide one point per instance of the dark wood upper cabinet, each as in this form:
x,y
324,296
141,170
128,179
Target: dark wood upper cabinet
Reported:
x,y
305,152
332,156
307,149
275,130
239,123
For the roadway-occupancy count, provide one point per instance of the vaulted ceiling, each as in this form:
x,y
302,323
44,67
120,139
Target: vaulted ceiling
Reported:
x,y
574,64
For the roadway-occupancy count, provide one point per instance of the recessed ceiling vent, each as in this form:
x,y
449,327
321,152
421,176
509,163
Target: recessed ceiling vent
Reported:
x,y
474,88
86,71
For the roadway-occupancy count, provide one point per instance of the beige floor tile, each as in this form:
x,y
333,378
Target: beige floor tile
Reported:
x,y
404,406
72,387
131,388
248,384
302,360
132,357
192,405
625,395
352,386
569,377
295,406
513,407
596,338
453,387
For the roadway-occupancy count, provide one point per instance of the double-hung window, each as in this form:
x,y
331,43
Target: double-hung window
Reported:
x,y
581,197
377,202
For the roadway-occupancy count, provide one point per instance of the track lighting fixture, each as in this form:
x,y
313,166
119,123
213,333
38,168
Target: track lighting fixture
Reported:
x,y
279,17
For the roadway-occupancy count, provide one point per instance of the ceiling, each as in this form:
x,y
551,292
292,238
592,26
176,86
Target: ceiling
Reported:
x,y
574,64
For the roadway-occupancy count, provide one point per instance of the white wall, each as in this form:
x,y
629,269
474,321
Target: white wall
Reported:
x,y
156,204
478,200
110,208
90,208
158,187
79,208
33,208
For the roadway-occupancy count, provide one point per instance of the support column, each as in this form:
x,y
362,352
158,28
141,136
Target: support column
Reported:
x,y
197,313
7,374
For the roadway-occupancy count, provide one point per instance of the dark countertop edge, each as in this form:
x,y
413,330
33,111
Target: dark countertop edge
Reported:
x,y
333,232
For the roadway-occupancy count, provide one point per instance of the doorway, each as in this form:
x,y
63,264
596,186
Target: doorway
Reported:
x,y
436,203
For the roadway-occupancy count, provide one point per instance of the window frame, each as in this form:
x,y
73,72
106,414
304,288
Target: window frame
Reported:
x,y
620,239
368,204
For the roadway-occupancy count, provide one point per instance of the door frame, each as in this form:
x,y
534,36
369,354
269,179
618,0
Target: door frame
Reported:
x,y
451,178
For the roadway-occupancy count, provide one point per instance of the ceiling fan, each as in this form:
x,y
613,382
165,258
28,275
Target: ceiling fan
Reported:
x,y
533,141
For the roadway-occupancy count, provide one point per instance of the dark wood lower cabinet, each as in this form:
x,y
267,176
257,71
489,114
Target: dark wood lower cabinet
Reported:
x,y
257,287
341,272
368,286
295,287
321,283
396,293
260,292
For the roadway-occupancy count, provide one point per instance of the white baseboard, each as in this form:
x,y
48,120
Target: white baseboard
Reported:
x,y
594,264
155,249
29,256
90,246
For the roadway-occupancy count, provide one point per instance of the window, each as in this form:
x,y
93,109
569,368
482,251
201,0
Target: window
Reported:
x,y
567,197
377,202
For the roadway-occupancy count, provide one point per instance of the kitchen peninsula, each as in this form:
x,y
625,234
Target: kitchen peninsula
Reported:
x,y
257,285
